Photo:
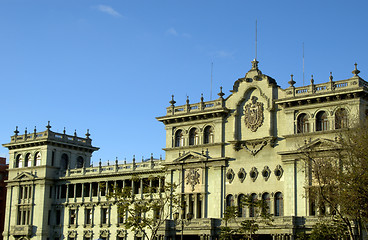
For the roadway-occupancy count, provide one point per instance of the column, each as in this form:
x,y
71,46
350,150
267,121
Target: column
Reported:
x,y
133,184
67,193
159,185
90,192
195,202
75,192
141,187
82,192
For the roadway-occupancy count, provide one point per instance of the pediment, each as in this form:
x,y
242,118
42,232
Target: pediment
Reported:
x,y
320,144
24,176
191,157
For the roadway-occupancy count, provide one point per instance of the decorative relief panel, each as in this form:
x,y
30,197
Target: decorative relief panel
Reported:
x,y
253,114
242,174
230,175
266,172
278,172
253,173
193,178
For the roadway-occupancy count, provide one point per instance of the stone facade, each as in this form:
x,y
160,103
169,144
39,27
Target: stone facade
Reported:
x,y
219,151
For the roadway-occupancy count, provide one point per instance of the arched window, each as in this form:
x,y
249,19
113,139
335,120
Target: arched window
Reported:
x,y
242,206
80,162
28,161
302,123
321,121
279,204
179,140
37,159
341,119
19,161
230,200
266,203
208,135
252,208
193,137
64,164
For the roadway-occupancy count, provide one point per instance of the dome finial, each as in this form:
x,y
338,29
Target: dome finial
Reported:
x,y
255,64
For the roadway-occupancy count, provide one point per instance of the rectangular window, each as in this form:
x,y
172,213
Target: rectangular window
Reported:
x,y
63,192
48,217
58,217
52,158
88,216
121,215
94,189
50,193
104,215
72,216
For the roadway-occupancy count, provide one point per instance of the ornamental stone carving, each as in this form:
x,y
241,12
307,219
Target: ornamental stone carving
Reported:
x,y
253,114
193,178
230,175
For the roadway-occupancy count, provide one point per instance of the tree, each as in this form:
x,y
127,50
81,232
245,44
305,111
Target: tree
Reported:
x,y
328,230
339,178
145,215
247,227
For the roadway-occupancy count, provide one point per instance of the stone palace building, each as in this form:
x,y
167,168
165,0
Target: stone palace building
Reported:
x,y
220,151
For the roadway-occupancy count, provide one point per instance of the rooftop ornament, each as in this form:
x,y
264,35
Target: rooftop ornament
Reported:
x,y
172,102
291,82
331,77
356,71
87,134
221,94
48,125
16,130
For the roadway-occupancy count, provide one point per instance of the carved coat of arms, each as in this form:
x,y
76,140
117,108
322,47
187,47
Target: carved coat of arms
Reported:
x,y
193,178
253,114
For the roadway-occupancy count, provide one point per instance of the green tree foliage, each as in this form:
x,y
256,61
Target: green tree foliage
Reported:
x,y
339,178
246,228
328,230
145,215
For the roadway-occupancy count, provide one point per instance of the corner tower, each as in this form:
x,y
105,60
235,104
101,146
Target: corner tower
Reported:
x,y
36,161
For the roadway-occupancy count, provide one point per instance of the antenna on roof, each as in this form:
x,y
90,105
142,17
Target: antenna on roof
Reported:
x,y
256,40
211,81
303,64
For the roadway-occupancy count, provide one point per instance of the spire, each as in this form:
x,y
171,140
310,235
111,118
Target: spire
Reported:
x,y
356,71
291,82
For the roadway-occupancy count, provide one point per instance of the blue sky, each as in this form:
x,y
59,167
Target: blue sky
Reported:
x,y
111,66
